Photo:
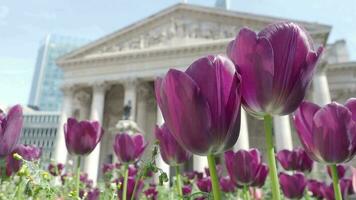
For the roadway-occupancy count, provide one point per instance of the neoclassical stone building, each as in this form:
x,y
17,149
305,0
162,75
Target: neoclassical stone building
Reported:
x,y
120,68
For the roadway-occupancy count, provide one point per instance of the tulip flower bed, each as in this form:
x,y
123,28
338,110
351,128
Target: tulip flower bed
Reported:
x,y
267,74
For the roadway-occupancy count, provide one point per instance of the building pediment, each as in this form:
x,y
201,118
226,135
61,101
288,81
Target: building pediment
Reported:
x,y
181,25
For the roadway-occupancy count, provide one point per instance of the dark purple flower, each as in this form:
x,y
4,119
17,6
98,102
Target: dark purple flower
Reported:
x,y
201,106
151,193
132,170
243,166
190,175
219,170
293,186
341,170
199,175
328,134
55,170
171,152
29,153
186,189
130,187
93,194
10,130
227,185
296,160
261,176
108,167
315,187
277,65
345,187
86,180
82,137
129,148
204,184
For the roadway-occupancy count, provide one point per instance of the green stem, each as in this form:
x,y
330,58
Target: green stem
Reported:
x,y
135,186
271,158
306,196
336,184
214,177
246,193
126,176
78,177
178,182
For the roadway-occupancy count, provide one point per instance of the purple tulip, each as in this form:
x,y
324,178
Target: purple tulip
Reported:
x,y
227,185
328,134
86,180
132,170
108,167
128,148
296,160
29,153
10,130
261,176
276,64
151,193
293,186
93,194
341,170
187,190
172,153
315,187
345,187
189,175
82,137
204,184
55,170
243,166
201,106
130,187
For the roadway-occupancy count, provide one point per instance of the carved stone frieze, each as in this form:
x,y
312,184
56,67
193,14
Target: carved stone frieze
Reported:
x,y
175,28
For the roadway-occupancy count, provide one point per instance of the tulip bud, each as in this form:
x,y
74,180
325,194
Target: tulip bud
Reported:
x,y
82,137
201,106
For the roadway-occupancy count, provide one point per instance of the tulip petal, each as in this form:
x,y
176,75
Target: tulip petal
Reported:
x,y
351,105
303,121
186,112
12,132
254,59
332,132
221,94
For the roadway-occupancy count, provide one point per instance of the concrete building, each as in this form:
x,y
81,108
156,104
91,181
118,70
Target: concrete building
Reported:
x,y
40,129
103,76
45,93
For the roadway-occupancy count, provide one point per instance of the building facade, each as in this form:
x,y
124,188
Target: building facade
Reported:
x,y
40,129
103,76
45,93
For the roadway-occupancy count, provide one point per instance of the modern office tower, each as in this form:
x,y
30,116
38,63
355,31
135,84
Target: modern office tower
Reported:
x,y
45,90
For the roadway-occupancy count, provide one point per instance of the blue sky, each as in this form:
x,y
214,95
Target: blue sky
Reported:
x,y
23,24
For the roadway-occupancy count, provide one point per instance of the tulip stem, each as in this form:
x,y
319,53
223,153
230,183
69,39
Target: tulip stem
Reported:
x,y
126,176
271,157
246,193
306,196
336,184
178,182
135,187
214,177
78,178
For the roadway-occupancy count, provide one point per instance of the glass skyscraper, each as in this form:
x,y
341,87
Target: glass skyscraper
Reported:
x,y
45,90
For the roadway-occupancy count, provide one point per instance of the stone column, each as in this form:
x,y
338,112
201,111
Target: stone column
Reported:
x,y
60,150
321,92
92,161
199,163
130,86
159,161
243,141
282,132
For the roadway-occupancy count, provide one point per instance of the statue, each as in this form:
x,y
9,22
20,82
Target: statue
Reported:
x,y
127,111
